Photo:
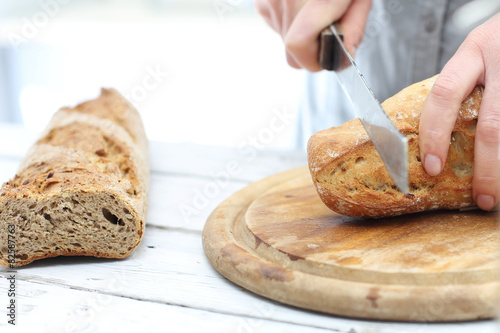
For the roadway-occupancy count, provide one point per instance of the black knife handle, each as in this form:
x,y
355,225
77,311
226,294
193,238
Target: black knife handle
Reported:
x,y
330,50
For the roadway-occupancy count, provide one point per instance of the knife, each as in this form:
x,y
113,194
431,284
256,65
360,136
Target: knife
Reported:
x,y
391,145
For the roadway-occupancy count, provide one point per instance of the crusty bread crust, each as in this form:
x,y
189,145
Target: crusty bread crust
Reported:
x,y
81,189
352,180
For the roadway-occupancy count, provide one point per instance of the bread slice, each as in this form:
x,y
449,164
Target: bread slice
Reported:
x,y
352,180
82,189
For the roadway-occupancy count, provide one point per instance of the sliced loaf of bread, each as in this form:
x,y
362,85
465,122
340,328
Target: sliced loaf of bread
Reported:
x,y
352,180
82,189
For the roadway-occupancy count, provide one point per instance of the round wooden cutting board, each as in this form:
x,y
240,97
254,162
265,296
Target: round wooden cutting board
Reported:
x,y
276,238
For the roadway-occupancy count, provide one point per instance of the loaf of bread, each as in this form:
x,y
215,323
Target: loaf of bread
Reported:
x,y
82,189
352,180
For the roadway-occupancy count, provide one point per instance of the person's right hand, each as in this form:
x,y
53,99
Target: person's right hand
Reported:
x,y
299,22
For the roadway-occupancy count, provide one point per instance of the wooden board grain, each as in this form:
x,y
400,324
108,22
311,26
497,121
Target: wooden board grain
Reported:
x,y
276,238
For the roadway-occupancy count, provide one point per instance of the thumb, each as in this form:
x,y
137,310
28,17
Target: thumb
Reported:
x,y
354,23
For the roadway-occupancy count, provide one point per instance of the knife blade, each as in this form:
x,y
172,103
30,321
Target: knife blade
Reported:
x,y
391,145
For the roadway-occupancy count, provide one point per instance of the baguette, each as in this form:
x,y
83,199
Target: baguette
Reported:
x,y
352,180
82,188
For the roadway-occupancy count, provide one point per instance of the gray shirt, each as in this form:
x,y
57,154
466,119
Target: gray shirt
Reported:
x,y
405,41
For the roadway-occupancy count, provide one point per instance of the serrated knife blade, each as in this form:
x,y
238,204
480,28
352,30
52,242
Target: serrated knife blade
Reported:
x,y
391,145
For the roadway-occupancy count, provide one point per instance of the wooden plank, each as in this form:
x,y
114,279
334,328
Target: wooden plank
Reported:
x,y
186,202
247,163
170,267
182,193
174,201
50,308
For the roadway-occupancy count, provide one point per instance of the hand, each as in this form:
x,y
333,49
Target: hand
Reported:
x,y
299,22
477,62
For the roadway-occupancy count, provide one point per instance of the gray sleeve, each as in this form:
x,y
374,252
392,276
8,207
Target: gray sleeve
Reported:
x,y
405,41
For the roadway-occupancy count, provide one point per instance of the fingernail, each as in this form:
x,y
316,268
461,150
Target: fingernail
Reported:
x,y
485,202
432,164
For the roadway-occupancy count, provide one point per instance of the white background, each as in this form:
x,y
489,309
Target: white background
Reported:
x,y
225,70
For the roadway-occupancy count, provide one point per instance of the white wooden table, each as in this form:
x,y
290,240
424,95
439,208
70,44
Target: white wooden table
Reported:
x,y
167,284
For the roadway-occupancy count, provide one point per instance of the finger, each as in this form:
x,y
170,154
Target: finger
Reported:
x,y
301,40
354,21
262,8
487,141
290,10
271,11
291,62
485,181
456,81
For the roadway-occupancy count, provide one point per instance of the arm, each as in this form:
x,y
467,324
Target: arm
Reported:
x,y
299,22
477,62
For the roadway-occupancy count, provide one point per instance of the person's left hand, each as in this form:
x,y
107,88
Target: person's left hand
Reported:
x,y
477,62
